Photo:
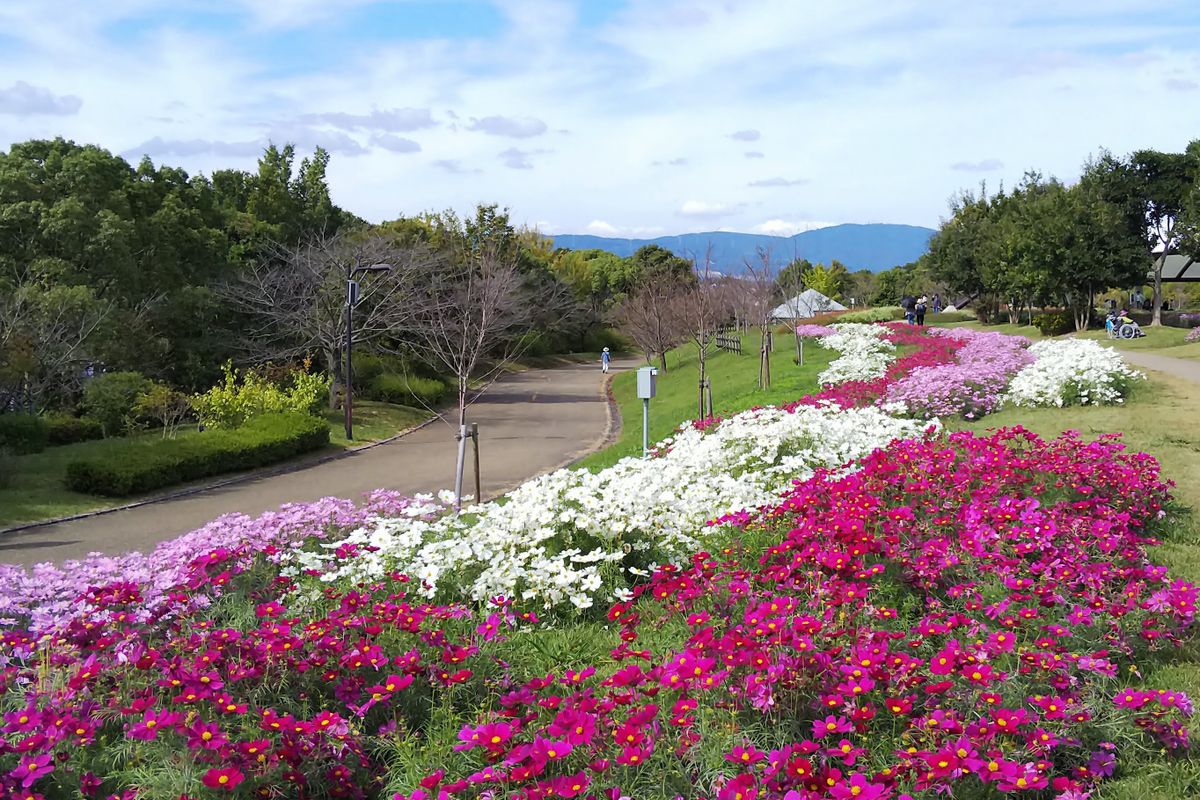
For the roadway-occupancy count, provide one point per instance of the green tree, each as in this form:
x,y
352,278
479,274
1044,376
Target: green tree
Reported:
x,y
826,280
652,262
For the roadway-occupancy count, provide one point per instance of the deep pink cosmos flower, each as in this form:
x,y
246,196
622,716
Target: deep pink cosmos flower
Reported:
x,y
226,778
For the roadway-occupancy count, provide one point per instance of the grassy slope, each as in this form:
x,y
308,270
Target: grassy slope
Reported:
x,y
734,388
36,491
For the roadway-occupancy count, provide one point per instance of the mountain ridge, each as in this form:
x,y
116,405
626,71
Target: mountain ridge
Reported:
x,y
872,246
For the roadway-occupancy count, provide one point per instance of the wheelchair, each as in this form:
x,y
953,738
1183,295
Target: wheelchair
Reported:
x,y
1122,328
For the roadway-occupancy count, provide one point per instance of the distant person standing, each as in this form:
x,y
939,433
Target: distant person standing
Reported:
x,y
605,357
908,303
919,309
937,304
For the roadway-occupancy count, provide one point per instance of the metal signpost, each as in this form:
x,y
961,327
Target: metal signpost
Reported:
x,y
352,298
647,386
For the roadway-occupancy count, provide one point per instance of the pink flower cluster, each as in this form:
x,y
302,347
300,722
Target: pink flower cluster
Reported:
x,y
972,384
47,596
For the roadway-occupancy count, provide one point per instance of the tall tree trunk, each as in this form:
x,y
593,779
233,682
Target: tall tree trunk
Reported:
x,y
333,364
1156,318
662,361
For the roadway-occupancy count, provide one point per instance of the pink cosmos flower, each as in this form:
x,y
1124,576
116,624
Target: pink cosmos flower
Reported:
x,y
31,768
226,778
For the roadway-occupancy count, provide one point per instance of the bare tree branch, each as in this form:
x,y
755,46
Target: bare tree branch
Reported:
x,y
295,301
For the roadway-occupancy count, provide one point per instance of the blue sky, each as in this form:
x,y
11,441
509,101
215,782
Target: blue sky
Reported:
x,y
618,117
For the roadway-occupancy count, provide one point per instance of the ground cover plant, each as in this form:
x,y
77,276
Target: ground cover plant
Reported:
x,y
947,612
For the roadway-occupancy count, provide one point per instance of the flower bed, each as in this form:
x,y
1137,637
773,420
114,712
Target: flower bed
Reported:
x,y
865,351
958,613
972,385
574,536
1072,372
48,597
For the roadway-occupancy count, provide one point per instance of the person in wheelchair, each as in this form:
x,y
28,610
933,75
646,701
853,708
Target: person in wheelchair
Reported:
x,y
1121,326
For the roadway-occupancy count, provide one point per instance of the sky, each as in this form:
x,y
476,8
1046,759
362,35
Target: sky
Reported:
x,y
623,118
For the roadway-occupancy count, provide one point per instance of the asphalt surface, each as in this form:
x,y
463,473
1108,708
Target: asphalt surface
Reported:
x,y
1180,367
529,423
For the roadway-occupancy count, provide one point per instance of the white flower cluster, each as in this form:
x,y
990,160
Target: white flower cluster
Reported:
x,y
1070,372
865,354
569,536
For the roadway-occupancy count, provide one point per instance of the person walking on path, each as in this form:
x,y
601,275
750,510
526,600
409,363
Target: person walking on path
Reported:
x,y
937,304
908,302
919,309
605,357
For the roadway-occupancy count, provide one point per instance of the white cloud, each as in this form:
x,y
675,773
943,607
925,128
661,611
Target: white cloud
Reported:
x,y
512,127
772,182
748,135
754,154
396,144
393,120
780,227
601,228
23,100
985,165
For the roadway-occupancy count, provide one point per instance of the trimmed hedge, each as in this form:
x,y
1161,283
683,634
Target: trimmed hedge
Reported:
x,y
69,430
878,314
22,434
144,465
391,388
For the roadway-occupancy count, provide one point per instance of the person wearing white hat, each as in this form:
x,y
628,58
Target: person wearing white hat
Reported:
x,y
604,359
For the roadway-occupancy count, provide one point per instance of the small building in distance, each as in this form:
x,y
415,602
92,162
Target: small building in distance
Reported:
x,y
805,305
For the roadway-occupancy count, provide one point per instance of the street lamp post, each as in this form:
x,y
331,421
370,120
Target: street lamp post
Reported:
x,y
351,301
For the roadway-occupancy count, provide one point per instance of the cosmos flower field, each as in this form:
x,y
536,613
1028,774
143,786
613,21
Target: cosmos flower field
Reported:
x,y
832,599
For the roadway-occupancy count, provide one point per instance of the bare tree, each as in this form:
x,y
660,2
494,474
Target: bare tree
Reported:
x,y
46,341
702,308
789,285
759,300
296,301
478,312
650,316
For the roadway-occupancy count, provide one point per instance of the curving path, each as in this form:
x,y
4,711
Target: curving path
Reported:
x,y
529,423
1179,367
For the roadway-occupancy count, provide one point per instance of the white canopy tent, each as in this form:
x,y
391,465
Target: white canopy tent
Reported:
x,y
807,304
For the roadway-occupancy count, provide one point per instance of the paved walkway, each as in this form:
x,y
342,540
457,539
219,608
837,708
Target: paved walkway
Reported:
x,y
529,423
1185,368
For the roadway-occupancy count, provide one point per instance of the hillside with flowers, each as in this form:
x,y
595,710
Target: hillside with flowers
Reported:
x,y
855,595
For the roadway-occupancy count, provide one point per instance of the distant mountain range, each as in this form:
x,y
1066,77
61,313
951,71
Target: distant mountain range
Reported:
x,y
875,247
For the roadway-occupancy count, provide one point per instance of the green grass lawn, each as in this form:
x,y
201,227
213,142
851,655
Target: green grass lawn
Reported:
x,y
36,492
734,388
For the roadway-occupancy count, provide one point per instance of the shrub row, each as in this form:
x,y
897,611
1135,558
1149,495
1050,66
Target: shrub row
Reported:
x,y
867,315
136,466
21,434
387,387
63,429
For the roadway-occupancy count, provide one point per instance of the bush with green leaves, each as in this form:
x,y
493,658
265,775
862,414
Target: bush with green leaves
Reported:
x,y
405,390
244,394
1054,323
65,429
22,434
109,399
143,464
165,406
